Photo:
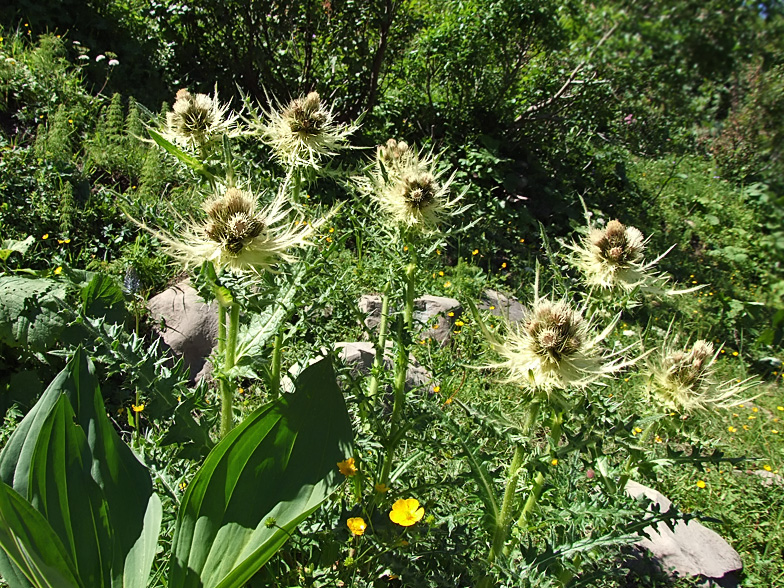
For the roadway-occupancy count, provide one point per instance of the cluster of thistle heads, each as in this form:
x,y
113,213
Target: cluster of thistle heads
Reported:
x,y
406,184
553,348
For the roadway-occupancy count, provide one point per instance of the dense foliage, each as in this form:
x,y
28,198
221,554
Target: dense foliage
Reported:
x,y
535,119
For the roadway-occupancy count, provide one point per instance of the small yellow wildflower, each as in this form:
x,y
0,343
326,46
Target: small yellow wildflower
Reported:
x,y
732,429
735,354
780,408
774,431
767,468
58,270
183,486
450,314
406,512
447,284
701,484
475,251
347,467
503,265
381,488
331,229
755,409
436,389
45,236
138,408
459,323
441,274
554,462
356,525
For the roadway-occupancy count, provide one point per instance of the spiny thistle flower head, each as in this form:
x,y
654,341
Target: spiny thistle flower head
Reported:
x,y
196,121
552,348
613,256
409,187
239,236
303,132
685,380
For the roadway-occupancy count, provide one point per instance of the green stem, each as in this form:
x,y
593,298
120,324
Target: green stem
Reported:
x,y
275,371
505,518
382,344
227,387
404,334
630,461
296,188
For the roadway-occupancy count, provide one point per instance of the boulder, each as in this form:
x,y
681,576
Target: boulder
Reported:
x,y
187,325
691,549
431,314
501,305
360,355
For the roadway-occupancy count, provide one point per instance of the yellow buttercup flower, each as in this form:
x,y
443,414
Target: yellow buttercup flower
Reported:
x,y
347,467
406,512
701,484
356,525
138,408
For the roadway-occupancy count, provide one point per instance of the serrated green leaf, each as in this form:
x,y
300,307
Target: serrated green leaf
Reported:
x,y
170,148
281,462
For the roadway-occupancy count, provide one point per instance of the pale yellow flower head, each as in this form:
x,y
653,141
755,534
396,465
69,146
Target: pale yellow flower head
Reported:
x,y
612,257
238,235
304,132
686,380
553,348
410,188
196,121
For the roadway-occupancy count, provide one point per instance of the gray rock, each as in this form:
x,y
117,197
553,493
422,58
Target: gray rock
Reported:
x,y
431,313
691,549
501,305
360,355
187,325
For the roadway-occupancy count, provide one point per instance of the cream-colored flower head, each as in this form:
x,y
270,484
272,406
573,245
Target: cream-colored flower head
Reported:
x,y
410,188
239,236
304,132
613,256
197,121
685,380
553,348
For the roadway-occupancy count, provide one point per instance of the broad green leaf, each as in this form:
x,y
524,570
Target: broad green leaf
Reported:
x,y
10,246
67,460
29,312
281,464
29,541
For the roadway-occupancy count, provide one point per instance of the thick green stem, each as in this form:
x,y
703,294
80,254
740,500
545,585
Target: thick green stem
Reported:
x,y
404,334
533,498
505,518
296,187
275,370
226,385
382,344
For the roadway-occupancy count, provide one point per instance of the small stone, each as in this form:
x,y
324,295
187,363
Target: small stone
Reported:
x,y
431,316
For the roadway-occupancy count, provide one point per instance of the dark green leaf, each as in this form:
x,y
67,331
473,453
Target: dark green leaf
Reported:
x,y
281,462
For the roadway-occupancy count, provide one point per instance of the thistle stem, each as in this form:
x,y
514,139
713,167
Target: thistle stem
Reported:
x,y
382,344
404,334
505,518
296,188
226,387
